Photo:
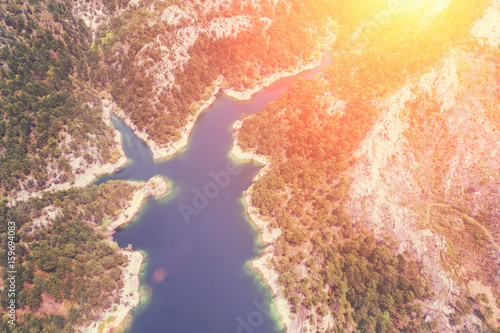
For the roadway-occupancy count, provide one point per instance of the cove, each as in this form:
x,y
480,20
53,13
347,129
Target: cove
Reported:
x,y
208,287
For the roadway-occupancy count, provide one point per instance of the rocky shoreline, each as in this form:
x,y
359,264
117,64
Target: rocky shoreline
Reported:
x,y
129,296
267,81
175,147
91,173
162,152
268,236
156,186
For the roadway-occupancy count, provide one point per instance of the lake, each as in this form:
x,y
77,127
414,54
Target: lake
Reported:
x,y
199,236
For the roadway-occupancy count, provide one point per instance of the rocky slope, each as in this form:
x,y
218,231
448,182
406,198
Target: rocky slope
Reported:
x,y
424,178
52,135
428,175
172,58
426,172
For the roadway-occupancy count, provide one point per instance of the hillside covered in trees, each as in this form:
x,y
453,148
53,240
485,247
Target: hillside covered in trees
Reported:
x,y
67,270
347,159
160,60
50,116
383,173
157,59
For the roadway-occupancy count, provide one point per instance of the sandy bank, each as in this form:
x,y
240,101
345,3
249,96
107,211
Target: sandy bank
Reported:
x,y
129,295
155,186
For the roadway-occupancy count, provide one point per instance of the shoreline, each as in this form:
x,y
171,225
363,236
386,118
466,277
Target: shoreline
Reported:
x,y
95,171
320,55
131,290
262,265
160,153
156,187
91,173
130,296
247,94
163,152
267,235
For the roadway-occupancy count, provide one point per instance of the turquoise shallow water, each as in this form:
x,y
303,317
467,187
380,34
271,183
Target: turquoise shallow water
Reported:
x,y
199,234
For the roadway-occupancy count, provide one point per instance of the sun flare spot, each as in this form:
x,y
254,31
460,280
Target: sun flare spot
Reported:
x,y
401,15
431,7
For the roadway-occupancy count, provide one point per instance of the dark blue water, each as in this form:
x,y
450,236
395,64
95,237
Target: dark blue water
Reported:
x,y
204,242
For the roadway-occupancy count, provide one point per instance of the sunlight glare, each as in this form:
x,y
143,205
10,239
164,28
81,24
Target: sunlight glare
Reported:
x,y
431,7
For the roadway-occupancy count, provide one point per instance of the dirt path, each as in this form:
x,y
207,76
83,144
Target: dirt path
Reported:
x,y
448,279
483,228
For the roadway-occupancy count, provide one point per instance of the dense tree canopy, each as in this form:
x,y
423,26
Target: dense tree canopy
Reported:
x,y
68,262
309,134
244,59
44,95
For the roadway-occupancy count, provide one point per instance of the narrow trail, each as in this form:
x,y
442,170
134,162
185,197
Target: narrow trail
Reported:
x,y
483,228
448,279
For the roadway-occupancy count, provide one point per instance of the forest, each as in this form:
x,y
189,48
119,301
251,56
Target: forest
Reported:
x,y
310,140
51,69
244,59
52,66
70,265
45,97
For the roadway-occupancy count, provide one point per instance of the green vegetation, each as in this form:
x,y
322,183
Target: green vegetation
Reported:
x,y
50,65
359,280
44,98
68,264
262,50
311,149
310,141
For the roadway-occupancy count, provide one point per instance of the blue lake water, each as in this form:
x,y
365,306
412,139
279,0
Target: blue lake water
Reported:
x,y
204,246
